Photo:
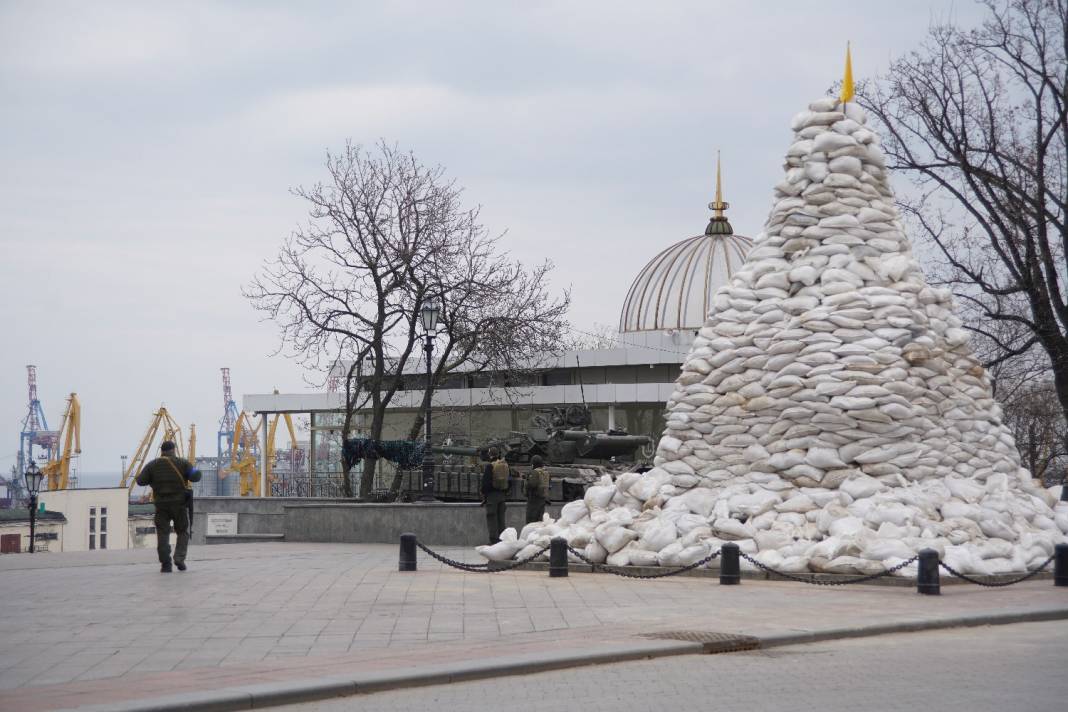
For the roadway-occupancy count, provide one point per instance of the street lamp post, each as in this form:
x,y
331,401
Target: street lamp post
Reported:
x,y
33,486
429,317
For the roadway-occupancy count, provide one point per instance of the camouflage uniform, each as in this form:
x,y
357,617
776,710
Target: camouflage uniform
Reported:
x,y
167,476
537,492
495,501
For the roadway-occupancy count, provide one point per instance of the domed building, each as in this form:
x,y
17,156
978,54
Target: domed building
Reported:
x,y
675,290
625,380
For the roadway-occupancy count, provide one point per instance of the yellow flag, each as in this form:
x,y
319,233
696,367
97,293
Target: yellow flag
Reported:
x,y
847,80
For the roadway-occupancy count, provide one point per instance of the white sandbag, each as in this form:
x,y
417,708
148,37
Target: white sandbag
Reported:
x,y
501,551
750,505
530,550
643,557
598,497
595,552
658,534
690,555
613,537
859,486
732,529
846,526
509,534
649,484
573,511
619,558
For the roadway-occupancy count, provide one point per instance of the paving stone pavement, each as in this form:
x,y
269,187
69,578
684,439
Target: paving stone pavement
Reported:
x,y
89,624
985,669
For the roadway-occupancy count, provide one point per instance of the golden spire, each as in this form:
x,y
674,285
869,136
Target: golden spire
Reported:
x,y
847,78
718,224
718,205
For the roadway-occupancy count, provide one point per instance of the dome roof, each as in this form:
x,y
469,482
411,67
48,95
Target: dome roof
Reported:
x,y
675,289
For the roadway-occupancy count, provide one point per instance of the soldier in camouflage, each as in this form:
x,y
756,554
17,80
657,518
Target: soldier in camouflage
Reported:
x,y
168,475
536,489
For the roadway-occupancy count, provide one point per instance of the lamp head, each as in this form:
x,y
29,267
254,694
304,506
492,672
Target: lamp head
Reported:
x,y
33,479
429,316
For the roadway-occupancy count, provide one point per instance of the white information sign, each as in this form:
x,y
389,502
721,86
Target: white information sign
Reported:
x,y
222,524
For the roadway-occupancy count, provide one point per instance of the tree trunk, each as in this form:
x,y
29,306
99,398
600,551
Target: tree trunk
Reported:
x,y
369,463
347,477
415,433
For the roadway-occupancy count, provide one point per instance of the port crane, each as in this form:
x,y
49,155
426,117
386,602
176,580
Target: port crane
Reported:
x,y
245,452
57,469
165,427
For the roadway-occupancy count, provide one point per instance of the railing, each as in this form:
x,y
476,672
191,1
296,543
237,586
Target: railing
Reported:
x,y
332,487
730,556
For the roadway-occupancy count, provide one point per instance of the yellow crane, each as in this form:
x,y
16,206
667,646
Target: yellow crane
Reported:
x,y
164,426
244,454
57,470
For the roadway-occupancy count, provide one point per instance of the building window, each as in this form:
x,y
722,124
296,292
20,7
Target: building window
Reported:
x,y
103,541
560,377
92,528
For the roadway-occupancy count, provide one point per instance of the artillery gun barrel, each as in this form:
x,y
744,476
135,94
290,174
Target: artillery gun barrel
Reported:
x,y
575,436
602,446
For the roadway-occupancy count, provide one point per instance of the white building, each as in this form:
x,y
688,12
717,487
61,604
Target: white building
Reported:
x,y
15,531
96,518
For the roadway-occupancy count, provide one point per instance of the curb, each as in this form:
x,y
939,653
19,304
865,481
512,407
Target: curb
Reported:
x,y
803,637
283,693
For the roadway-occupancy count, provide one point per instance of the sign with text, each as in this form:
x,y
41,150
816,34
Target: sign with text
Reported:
x,y
222,524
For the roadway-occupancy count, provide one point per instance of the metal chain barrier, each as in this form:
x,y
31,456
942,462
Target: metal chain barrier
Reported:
x,y
625,574
995,584
509,566
819,582
479,568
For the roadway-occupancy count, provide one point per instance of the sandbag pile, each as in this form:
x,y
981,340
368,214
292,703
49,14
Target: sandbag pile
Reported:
x,y
831,415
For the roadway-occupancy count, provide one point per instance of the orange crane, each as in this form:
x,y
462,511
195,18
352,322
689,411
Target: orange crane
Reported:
x,y
57,469
164,426
245,452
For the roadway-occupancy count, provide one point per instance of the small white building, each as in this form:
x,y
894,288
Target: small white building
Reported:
x,y
15,531
96,518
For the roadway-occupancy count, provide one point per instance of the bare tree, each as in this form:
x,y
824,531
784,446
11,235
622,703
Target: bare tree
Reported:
x,y
1038,425
386,236
598,336
341,286
979,119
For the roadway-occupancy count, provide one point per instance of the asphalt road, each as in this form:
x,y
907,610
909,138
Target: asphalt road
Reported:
x,y
1019,667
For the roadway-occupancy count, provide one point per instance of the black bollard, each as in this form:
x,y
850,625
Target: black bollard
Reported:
x,y
1060,565
558,557
927,580
1064,492
730,571
407,552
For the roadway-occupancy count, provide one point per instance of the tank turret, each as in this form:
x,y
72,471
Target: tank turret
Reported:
x,y
575,455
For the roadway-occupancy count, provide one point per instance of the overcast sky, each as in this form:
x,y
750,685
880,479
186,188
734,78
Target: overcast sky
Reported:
x,y
148,150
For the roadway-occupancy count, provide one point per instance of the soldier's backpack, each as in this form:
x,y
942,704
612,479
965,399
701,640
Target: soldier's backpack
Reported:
x,y
500,475
538,483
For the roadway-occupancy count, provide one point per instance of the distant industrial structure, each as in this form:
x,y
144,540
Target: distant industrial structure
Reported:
x,y
35,434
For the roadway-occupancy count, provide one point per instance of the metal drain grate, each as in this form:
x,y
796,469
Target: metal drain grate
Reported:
x,y
712,642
